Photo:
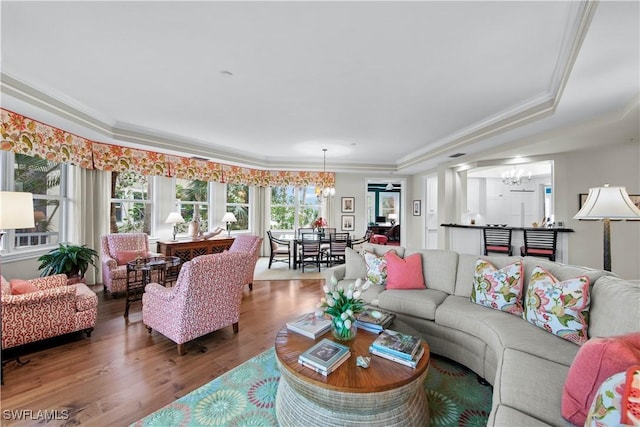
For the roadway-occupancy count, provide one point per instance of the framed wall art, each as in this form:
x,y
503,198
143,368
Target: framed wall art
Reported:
x,y
348,222
348,204
417,207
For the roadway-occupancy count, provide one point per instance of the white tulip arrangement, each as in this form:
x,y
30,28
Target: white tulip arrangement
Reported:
x,y
342,305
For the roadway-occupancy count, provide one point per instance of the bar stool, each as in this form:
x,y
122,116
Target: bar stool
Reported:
x,y
497,240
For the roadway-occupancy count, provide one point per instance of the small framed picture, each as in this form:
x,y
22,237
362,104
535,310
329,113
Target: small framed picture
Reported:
x,y
348,204
348,222
417,208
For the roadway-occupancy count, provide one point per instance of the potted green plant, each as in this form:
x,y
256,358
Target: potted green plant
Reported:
x,y
72,260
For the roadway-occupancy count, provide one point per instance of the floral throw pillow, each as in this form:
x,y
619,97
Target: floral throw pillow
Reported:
x,y
498,289
561,308
376,268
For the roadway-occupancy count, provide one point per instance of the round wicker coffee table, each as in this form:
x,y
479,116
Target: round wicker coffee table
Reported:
x,y
385,394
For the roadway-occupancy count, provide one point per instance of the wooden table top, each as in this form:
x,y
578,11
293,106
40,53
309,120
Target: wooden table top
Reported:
x,y
381,375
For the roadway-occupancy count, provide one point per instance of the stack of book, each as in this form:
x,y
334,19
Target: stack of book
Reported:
x,y
401,348
325,356
374,320
309,325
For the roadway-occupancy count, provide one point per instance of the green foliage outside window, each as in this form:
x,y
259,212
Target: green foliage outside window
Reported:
x,y
238,203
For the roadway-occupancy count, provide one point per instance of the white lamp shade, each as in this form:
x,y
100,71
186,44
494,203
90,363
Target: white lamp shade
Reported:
x,y
174,218
16,210
229,217
608,202
393,216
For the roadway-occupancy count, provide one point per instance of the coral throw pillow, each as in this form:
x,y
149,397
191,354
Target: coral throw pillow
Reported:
x,y
404,273
376,268
19,287
498,289
561,308
596,360
123,257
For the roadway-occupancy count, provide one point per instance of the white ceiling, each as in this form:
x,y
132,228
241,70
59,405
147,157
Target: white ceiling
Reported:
x,y
393,87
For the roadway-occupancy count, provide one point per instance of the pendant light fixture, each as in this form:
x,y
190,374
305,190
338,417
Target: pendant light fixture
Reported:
x,y
326,191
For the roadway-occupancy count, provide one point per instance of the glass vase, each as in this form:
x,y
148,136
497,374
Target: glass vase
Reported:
x,y
341,332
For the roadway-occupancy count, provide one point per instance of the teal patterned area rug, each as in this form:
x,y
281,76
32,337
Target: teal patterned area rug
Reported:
x,y
246,395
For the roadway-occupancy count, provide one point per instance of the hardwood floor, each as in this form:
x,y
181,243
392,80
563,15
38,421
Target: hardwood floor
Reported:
x,y
122,373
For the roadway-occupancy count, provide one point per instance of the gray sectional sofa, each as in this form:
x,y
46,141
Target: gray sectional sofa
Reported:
x,y
526,365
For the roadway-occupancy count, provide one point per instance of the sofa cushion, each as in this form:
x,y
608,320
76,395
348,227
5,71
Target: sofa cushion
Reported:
x,y
466,270
498,289
439,268
501,330
356,268
597,360
614,307
404,273
19,287
531,385
560,271
421,303
376,268
561,308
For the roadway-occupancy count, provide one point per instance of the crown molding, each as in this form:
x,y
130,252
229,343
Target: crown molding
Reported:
x,y
534,109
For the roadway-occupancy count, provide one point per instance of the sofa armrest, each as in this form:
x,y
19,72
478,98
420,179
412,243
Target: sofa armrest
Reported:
x,y
50,282
108,263
338,271
158,292
46,296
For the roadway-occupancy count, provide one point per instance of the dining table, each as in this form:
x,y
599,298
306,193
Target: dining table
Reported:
x,y
296,240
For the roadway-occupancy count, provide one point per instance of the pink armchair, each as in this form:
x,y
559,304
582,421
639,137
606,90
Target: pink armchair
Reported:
x,y
251,244
54,309
205,298
117,250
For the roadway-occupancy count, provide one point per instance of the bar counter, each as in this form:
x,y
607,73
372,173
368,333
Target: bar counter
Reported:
x,y
468,239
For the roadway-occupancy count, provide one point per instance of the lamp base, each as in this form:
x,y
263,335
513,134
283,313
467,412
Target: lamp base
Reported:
x,y
607,244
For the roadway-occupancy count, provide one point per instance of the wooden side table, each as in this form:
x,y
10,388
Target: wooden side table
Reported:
x,y
186,250
385,394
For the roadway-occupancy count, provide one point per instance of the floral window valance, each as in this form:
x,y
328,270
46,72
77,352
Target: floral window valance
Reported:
x,y
23,135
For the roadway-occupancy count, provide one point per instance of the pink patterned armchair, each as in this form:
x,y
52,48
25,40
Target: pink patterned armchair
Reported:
x,y
205,298
251,244
54,309
117,250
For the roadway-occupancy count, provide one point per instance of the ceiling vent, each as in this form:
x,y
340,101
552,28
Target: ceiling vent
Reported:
x,y
453,156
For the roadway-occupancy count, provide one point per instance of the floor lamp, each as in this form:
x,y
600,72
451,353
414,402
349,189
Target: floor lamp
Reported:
x,y
16,211
607,203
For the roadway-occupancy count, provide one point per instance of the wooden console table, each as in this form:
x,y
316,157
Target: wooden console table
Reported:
x,y
186,250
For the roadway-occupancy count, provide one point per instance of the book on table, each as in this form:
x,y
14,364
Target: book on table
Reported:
x,y
374,320
309,325
411,363
397,344
324,356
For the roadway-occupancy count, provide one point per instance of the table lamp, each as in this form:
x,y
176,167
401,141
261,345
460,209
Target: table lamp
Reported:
x,y
228,218
16,211
393,218
174,218
608,203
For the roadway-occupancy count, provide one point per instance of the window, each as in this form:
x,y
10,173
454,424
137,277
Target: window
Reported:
x,y
294,207
46,180
238,204
130,202
193,198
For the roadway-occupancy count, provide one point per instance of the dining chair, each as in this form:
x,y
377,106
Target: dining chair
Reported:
x,y
303,230
310,252
338,243
280,249
540,243
497,240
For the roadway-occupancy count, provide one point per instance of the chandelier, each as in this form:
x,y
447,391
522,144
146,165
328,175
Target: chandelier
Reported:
x,y
326,191
514,177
